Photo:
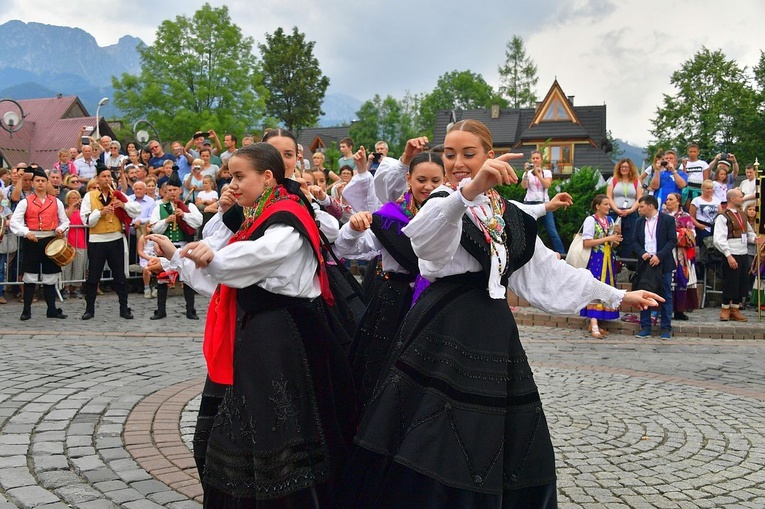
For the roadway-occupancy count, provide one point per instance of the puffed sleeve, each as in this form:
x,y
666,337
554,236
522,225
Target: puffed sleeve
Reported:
x,y
63,219
215,233
356,245
536,210
133,209
556,287
328,225
588,228
390,180
436,230
360,193
17,223
281,261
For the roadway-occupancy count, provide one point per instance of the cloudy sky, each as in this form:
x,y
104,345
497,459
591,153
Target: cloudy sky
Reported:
x,y
616,52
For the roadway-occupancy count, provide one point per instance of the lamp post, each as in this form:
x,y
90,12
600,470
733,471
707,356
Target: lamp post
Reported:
x,y
11,121
142,136
100,103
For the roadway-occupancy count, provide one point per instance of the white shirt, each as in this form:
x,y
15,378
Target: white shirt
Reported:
x,y
545,281
695,171
536,190
735,246
90,217
282,261
651,224
19,227
85,169
192,218
748,187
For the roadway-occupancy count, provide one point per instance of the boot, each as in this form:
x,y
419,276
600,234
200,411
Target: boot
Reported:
x,y
29,294
49,291
91,290
725,314
736,316
160,312
188,295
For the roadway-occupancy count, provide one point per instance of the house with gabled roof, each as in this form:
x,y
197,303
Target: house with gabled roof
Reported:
x,y
317,139
50,124
569,136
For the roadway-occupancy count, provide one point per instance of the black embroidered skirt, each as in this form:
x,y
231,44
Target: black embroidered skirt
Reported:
x,y
282,432
373,341
456,417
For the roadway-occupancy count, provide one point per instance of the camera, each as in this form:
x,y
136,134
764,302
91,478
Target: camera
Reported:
x,y
376,157
724,156
527,166
664,164
85,140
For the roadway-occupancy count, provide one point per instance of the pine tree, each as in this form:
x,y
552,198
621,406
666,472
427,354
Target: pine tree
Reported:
x,y
518,77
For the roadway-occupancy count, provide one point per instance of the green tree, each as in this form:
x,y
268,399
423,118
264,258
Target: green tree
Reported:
x,y
617,152
518,77
199,74
456,90
712,103
292,75
391,120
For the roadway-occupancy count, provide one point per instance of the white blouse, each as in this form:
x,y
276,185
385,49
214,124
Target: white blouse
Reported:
x,y
359,193
545,281
364,246
282,261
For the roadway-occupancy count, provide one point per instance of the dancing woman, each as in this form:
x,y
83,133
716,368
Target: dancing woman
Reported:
x,y
456,420
280,435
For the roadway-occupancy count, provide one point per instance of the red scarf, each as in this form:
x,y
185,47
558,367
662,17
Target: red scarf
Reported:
x,y
220,328
185,228
121,213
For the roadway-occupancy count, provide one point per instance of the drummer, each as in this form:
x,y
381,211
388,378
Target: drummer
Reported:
x,y
38,219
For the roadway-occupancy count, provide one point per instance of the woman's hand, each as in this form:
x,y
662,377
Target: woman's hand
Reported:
x,y
164,247
360,221
317,192
559,200
227,200
199,252
493,173
641,299
413,147
360,159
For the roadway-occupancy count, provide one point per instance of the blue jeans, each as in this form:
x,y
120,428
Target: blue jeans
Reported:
x,y
548,221
665,307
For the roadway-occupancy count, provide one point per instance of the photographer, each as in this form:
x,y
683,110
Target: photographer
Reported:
x,y
536,181
669,180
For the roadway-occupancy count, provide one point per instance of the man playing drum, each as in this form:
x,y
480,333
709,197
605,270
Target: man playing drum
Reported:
x,y
38,219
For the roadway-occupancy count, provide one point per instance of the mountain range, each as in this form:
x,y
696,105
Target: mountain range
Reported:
x,y
38,60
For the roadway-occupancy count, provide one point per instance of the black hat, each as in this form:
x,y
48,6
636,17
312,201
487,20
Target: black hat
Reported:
x,y
174,179
100,166
36,172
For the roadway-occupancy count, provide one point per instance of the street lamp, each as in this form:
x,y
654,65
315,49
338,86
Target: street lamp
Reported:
x,y
100,103
11,121
142,136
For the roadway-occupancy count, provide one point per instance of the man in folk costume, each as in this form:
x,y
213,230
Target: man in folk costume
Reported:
x,y
108,214
732,234
39,218
172,218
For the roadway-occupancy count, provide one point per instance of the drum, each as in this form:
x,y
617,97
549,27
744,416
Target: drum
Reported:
x,y
60,251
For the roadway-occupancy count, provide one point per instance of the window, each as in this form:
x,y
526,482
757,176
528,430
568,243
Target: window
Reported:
x,y
559,158
556,111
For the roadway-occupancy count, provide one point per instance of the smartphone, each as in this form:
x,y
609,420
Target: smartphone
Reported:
x,y
85,140
376,157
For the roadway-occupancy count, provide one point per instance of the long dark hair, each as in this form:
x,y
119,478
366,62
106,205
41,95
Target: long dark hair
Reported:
x,y
277,133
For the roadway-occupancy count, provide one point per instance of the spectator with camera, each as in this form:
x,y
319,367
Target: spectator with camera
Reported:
x,y
536,181
668,179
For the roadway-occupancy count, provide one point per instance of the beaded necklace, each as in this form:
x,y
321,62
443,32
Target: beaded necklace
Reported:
x,y
408,205
270,196
493,227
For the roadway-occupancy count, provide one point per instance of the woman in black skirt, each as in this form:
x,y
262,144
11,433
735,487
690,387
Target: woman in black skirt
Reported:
x,y
456,419
280,436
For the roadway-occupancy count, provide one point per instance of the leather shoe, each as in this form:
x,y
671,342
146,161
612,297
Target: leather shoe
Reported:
x,y
158,316
736,315
679,315
25,316
724,314
59,314
126,314
192,315
87,315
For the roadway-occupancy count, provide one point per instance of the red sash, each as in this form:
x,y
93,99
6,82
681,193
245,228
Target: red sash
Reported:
x,y
121,213
185,228
220,328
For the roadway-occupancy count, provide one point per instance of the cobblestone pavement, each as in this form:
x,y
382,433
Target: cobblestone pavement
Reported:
x,y
94,414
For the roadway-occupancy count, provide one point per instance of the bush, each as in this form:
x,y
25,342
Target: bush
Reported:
x,y
583,185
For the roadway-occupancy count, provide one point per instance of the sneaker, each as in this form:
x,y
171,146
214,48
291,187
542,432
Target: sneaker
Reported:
x,y
147,293
644,333
2,300
77,294
65,294
666,334
153,293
